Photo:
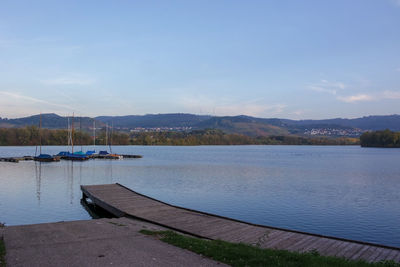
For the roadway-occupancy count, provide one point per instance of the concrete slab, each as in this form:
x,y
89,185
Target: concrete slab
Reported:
x,y
102,242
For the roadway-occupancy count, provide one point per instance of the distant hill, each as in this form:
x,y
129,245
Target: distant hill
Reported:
x,y
49,121
246,125
243,125
391,122
154,120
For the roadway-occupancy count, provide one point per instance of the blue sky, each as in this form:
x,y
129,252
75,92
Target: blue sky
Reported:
x,y
287,58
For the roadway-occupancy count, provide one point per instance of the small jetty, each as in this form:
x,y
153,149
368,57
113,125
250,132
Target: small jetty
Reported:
x,y
132,156
123,202
16,159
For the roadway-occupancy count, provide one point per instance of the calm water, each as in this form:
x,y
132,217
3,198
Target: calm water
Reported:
x,y
349,192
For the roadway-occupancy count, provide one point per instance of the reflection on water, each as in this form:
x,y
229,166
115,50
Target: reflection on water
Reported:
x,y
348,192
38,172
68,175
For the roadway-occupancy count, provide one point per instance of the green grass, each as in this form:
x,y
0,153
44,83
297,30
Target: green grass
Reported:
x,y
2,254
246,255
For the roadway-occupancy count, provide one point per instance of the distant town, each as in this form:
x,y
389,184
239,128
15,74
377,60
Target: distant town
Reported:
x,y
354,132
160,129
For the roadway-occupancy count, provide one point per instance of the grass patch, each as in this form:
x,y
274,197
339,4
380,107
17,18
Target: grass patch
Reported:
x,y
246,255
2,253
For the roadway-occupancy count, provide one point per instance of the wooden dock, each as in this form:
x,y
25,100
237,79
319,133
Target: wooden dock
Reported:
x,y
16,159
123,202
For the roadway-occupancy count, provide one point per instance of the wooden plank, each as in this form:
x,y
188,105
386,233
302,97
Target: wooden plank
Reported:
x,y
341,248
331,249
274,234
291,240
397,258
346,249
392,255
335,248
375,254
365,255
357,255
177,218
301,243
314,245
356,248
254,236
324,249
143,210
386,252
218,226
280,238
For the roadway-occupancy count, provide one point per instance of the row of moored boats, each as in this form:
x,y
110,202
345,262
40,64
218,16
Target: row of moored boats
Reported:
x,y
78,155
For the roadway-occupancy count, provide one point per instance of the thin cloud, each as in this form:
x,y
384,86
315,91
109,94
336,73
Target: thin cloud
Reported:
x,y
355,98
322,89
17,99
391,95
325,86
69,81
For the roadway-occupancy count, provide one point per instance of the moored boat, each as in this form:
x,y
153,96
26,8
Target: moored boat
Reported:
x,y
43,157
46,158
105,155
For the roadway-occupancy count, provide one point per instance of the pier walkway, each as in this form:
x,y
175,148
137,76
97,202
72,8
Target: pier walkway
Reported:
x,y
123,202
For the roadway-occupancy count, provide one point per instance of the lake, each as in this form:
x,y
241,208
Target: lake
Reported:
x,y
343,191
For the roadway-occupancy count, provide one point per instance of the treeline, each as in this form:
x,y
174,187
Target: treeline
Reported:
x,y
384,138
29,136
217,137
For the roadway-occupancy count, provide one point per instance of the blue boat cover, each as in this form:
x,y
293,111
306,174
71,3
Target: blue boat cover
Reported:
x,y
103,152
44,156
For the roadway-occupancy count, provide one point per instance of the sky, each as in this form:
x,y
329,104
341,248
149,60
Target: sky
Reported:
x,y
308,59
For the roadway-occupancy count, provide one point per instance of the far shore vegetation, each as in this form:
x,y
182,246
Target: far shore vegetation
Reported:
x,y
384,138
246,255
29,136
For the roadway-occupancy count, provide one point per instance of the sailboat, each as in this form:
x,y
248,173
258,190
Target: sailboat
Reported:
x,y
92,153
72,155
104,154
43,157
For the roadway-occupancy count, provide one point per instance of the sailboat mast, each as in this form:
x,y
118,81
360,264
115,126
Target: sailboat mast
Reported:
x,y
112,125
72,134
106,134
40,133
68,131
94,134
80,132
